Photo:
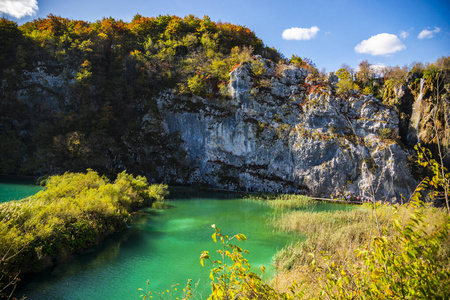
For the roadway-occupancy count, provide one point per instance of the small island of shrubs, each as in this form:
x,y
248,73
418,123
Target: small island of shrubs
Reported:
x,y
74,212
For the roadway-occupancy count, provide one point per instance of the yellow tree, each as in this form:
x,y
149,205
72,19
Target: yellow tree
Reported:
x,y
346,83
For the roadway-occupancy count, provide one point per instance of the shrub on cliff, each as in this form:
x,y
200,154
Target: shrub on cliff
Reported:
x,y
346,85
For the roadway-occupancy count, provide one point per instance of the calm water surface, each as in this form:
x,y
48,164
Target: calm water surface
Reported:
x,y
164,247
15,188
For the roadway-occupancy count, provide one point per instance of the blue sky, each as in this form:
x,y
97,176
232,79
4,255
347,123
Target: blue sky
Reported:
x,y
330,33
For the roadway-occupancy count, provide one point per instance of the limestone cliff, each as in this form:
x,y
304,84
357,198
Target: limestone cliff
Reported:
x,y
422,115
277,134
153,97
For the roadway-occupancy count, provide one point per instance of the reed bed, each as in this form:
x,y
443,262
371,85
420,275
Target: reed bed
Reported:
x,y
333,237
284,201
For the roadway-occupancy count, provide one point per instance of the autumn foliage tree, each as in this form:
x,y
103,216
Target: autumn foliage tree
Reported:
x,y
346,84
95,80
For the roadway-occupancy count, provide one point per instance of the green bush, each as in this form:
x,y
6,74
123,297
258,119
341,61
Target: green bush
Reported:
x,y
73,212
258,68
297,61
385,133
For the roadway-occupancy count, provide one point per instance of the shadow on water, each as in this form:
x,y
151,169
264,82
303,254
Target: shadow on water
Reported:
x,y
183,193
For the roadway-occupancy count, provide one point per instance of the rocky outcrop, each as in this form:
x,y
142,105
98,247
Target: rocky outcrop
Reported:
x,y
415,102
278,129
275,134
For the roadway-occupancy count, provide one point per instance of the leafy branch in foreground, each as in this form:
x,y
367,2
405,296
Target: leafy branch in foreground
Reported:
x,y
235,280
188,292
441,178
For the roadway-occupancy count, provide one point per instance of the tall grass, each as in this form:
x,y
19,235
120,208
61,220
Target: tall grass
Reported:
x,y
333,238
282,202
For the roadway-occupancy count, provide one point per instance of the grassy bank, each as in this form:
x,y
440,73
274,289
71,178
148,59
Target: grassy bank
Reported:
x,y
73,212
346,250
282,202
366,252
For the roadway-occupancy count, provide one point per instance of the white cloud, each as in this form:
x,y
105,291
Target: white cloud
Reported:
x,y
380,44
299,34
18,8
404,34
428,34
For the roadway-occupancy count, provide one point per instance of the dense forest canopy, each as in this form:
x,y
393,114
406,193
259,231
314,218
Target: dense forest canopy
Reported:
x,y
74,94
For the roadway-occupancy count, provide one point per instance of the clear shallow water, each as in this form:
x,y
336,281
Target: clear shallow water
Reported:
x,y
15,189
164,247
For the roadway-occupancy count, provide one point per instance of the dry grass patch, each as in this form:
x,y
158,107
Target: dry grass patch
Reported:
x,y
334,237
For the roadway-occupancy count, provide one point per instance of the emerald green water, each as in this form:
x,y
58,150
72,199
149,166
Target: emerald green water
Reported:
x,y
164,247
15,189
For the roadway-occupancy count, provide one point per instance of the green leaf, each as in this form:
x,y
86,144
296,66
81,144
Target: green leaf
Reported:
x,y
396,224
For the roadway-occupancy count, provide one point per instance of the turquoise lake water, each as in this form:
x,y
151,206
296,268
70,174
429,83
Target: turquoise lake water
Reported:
x,y
15,189
163,247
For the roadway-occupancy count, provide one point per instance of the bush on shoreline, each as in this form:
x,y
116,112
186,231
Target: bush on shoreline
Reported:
x,y
74,212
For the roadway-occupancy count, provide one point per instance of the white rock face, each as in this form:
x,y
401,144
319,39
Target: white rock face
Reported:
x,y
276,137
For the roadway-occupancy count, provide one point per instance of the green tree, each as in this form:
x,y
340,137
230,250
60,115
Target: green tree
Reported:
x,y
10,39
297,61
346,84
